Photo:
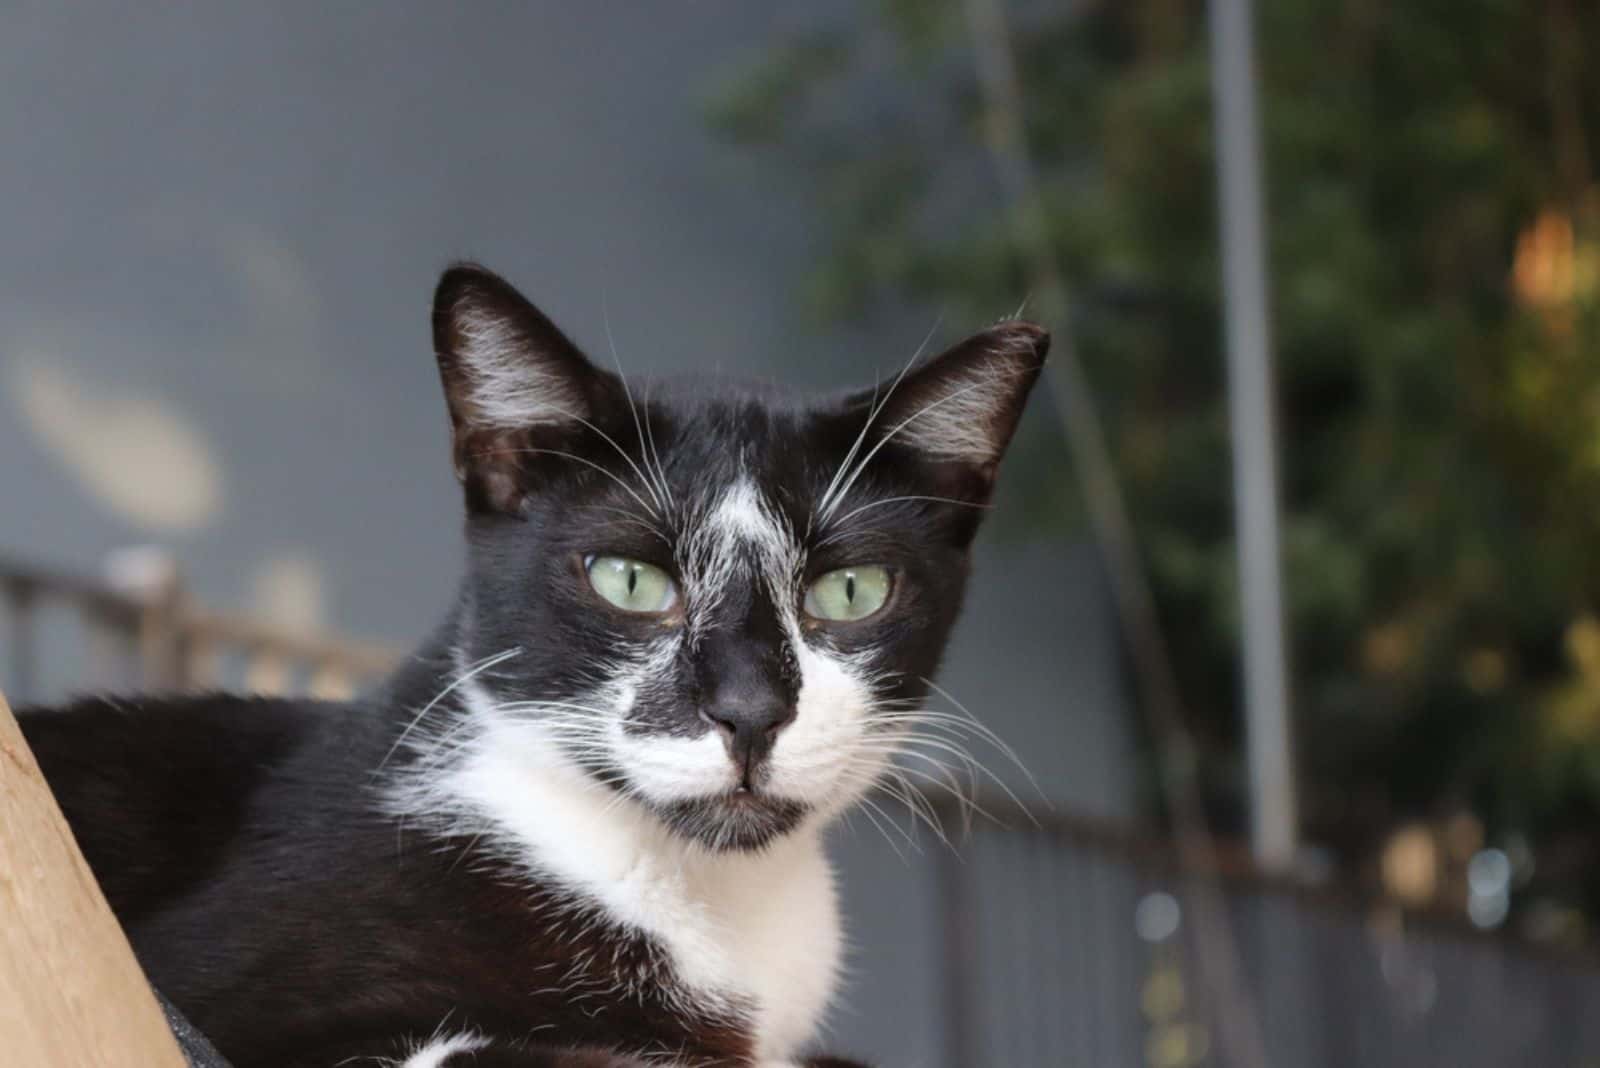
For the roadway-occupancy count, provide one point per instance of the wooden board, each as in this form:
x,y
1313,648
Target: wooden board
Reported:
x,y
71,993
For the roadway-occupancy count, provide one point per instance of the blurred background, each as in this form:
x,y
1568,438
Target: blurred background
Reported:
x,y
1289,601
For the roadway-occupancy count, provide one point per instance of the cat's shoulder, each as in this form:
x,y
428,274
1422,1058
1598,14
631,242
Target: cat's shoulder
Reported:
x,y
160,790
212,733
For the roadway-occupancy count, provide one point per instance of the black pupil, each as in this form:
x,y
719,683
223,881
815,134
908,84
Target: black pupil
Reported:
x,y
633,580
850,588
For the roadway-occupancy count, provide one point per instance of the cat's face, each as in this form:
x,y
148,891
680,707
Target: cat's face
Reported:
x,y
719,601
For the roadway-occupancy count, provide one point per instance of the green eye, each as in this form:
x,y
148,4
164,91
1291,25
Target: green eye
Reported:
x,y
632,585
848,594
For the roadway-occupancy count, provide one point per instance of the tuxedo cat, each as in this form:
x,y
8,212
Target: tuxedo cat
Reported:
x,y
581,826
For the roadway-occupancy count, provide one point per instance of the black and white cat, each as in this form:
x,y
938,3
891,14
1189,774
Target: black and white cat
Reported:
x,y
582,825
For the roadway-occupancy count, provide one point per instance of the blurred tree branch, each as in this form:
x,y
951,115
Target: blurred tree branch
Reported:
x,y
1435,222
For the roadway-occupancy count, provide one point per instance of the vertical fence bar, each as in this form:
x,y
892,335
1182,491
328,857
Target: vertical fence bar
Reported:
x,y
20,661
106,665
960,956
149,577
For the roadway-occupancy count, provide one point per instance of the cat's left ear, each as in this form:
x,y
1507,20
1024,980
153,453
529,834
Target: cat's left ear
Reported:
x,y
957,412
519,391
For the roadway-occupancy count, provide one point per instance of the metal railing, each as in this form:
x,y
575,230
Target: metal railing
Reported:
x,y
1063,941
1067,942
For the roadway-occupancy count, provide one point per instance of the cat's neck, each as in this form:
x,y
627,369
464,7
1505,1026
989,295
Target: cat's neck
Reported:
x,y
757,931
427,670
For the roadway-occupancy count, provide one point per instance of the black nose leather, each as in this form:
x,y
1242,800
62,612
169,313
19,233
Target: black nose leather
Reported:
x,y
749,726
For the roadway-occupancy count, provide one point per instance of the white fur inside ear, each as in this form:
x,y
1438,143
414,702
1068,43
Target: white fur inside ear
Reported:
x,y
509,385
966,418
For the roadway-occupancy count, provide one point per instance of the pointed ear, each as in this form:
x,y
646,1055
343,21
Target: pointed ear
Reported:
x,y
513,382
959,410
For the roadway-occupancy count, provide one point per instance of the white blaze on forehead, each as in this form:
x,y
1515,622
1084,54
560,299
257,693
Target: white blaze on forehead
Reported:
x,y
820,758
741,530
744,518
743,513
811,760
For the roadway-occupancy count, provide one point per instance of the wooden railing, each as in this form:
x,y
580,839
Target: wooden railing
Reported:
x,y
71,992
138,628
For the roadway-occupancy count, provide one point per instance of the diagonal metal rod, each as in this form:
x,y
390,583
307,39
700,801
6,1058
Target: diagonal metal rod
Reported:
x,y
1239,1029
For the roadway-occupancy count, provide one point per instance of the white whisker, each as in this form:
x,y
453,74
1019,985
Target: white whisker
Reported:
x,y
579,459
824,504
658,490
833,501
481,665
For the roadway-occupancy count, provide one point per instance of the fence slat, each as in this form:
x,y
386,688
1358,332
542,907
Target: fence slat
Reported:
x,y
19,597
957,917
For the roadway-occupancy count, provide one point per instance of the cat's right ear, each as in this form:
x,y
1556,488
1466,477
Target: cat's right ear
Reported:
x,y
518,389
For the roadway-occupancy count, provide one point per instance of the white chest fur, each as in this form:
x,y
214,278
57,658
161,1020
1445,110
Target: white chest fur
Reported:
x,y
758,927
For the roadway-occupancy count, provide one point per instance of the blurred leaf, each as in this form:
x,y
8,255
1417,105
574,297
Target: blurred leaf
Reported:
x,y
752,105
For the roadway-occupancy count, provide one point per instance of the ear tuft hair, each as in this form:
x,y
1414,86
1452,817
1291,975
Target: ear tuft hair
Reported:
x,y
511,379
505,365
963,405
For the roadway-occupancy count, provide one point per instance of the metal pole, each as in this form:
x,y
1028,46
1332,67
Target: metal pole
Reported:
x,y
1272,790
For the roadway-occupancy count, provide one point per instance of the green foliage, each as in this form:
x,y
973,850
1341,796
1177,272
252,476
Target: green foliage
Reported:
x,y
1435,247
750,108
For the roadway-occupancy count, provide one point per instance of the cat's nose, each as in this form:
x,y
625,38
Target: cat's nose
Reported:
x,y
750,726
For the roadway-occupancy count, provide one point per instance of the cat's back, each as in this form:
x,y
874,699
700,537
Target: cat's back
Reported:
x,y
161,792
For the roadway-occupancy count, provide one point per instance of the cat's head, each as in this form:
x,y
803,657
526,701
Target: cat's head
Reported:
x,y
721,601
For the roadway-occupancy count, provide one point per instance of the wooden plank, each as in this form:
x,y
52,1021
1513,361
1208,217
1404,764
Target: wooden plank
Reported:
x,y
71,993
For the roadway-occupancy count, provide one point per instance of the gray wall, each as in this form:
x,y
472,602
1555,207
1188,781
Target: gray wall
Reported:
x,y
220,228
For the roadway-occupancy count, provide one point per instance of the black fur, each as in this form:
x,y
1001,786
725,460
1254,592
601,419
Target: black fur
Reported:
x,y
246,844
